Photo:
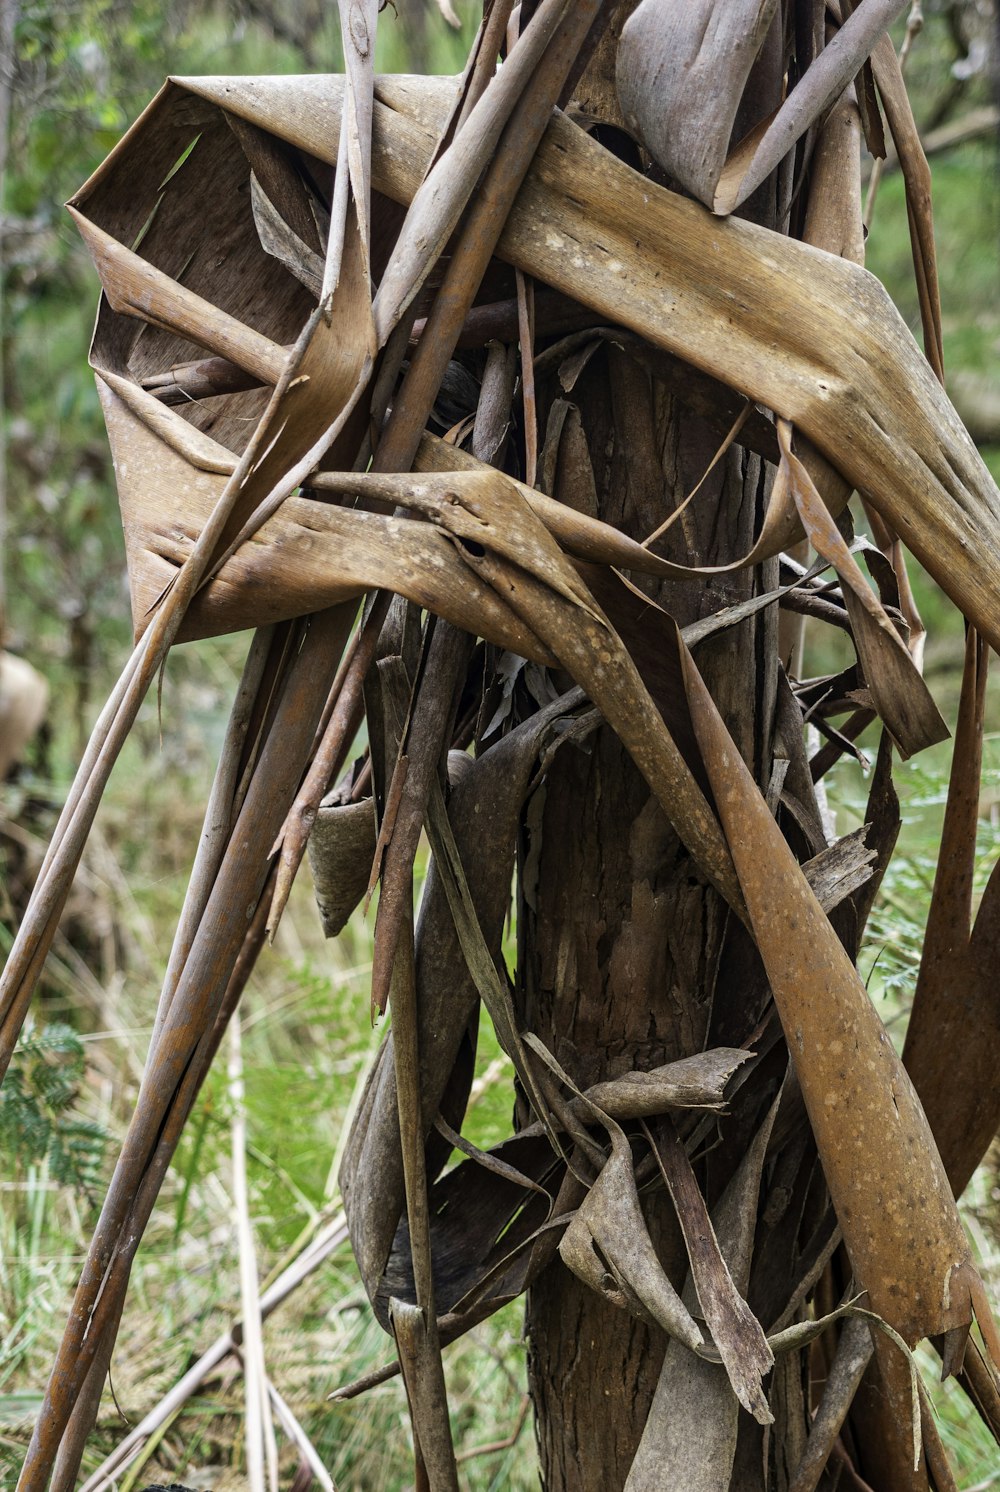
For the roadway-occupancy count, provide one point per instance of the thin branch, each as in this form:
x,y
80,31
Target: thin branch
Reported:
x,y
327,1241
261,1446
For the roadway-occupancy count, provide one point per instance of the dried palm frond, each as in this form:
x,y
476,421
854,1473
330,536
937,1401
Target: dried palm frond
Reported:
x,y
267,250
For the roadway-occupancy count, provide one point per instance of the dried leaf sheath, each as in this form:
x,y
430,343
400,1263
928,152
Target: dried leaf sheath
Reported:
x,y
690,137
223,256
588,226
873,1138
307,555
364,564
955,1022
691,1433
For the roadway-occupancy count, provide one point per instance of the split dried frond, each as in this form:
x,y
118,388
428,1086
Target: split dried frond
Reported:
x,y
300,276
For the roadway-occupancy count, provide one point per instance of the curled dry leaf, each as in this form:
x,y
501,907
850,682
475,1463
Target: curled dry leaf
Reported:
x,y
897,466
608,1246
283,243
691,1433
587,225
736,1332
901,696
873,1139
284,569
341,849
682,71
483,508
697,1082
318,384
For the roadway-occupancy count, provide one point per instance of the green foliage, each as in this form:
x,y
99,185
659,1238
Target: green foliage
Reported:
x,y
894,936
39,1124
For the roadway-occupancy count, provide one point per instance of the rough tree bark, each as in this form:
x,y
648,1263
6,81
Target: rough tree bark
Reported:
x,y
621,940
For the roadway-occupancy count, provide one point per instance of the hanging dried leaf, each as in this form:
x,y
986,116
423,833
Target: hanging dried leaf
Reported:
x,y
736,1332
873,1139
341,848
953,1024
691,1433
608,1246
483,809
901,696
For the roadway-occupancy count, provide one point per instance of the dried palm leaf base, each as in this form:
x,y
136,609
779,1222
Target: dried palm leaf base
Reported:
x,y
237,350
635,253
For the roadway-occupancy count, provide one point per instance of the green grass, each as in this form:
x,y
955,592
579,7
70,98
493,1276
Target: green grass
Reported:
x,y
307,1042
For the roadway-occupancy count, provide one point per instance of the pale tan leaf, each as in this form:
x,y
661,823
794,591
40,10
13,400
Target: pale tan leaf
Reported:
x,y
608,1246
682,69
844,370
874,1141
900,694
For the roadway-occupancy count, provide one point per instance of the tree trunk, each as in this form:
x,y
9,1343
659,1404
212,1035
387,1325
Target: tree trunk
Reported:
x,y
621,941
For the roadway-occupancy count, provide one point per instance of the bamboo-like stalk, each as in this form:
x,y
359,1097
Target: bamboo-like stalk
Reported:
x,y
188,1038
416,1326
219,814
853,1354
297,1435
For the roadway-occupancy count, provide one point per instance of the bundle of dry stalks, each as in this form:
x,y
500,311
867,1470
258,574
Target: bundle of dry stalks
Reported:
x,y
303,278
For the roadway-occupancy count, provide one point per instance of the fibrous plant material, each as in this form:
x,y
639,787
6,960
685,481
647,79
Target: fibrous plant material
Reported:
x,y
597,238
300,276
669,40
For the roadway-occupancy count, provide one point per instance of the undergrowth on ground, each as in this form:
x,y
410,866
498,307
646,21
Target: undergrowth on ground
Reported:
x,y
307,1044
